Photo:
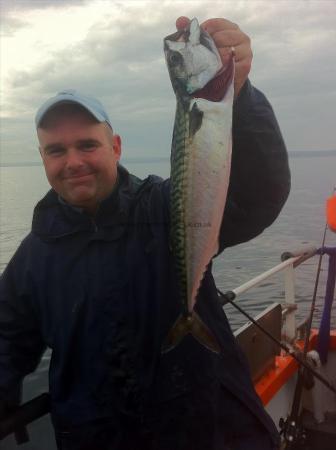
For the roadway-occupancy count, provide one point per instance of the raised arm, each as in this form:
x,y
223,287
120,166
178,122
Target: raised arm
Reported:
x,y
260,177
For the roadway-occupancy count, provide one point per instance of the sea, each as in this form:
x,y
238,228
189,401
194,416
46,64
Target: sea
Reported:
x,y
301,223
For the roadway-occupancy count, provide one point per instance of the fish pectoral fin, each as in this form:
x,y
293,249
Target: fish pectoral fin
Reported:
x,y
195,120
191,324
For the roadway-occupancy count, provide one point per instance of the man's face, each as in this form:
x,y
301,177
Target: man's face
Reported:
x,y
80,158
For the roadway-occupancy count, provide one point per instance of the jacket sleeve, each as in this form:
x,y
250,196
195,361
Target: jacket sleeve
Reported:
x,y
260,177
21,345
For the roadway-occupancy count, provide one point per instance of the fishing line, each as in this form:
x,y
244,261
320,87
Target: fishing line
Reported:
x,y
229,297
312,308
290,426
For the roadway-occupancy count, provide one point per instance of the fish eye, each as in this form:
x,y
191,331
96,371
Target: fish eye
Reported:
x,y
175,58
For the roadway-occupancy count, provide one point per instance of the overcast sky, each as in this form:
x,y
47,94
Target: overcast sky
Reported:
x,y
113,50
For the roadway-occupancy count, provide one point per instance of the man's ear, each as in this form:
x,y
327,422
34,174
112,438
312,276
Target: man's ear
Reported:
x,y
39,131
117,145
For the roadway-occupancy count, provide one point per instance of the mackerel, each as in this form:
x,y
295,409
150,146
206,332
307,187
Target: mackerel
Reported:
x,y
200,167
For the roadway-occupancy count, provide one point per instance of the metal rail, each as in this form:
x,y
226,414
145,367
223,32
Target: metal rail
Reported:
x,y
290,260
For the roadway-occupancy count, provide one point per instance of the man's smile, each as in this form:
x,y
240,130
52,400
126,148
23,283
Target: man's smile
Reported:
x,y
79,177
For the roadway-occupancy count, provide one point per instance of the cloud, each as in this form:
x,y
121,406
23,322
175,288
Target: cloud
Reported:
x,y
115,53
9,6
10,25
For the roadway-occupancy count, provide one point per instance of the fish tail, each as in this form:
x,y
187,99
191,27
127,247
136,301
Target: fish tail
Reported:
x,y
190,324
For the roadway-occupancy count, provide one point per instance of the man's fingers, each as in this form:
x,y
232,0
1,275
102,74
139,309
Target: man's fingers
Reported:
x,y
230,38
213,25
182,22
210,25
242,68
241,52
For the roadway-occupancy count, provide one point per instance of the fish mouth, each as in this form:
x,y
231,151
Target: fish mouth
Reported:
x,y
184,34
194,80
176,37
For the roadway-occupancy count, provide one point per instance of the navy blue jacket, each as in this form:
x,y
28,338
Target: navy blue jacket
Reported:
x,y
102,293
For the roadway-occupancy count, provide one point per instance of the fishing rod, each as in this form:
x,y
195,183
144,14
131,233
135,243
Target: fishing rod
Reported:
x,y
17,420
229,297
291,429
290,426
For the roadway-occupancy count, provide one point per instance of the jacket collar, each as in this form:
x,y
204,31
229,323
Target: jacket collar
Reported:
x,y
53,219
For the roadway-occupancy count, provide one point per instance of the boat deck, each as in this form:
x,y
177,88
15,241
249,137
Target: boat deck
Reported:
x,y
319,436
284,369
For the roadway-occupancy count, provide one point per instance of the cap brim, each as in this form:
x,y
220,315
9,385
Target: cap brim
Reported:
x,y
66,98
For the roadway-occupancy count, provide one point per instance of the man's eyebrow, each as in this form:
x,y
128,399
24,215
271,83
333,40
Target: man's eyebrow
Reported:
x,y
53,146
87,141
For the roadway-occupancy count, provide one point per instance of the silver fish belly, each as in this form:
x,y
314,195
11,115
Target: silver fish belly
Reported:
x,y
200,171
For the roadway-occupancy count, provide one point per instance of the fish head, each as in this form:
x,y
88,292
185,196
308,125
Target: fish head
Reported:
x,y
192,59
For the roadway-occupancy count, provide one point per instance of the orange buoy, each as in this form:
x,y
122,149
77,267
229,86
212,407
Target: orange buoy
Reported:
x,y
331,212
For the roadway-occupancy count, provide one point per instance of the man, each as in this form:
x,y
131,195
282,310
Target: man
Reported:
x,y
95,282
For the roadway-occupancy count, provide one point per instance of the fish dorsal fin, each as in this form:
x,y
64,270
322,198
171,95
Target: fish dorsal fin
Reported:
x,y
195,32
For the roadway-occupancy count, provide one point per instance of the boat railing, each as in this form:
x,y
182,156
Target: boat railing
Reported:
x,y
278,319
290,260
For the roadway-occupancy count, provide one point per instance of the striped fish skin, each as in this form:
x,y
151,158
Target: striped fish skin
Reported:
x,y
200,170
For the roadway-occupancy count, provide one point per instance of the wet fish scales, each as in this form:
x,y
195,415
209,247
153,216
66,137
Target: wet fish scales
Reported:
x,y
200,161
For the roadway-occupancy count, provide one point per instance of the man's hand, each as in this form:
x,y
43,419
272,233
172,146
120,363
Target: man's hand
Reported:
x,y
226,35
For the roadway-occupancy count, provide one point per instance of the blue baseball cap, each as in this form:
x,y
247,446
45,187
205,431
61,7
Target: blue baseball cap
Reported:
x,y
91,104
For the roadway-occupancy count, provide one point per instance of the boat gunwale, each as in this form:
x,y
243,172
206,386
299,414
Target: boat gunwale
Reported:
x,y
284,368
